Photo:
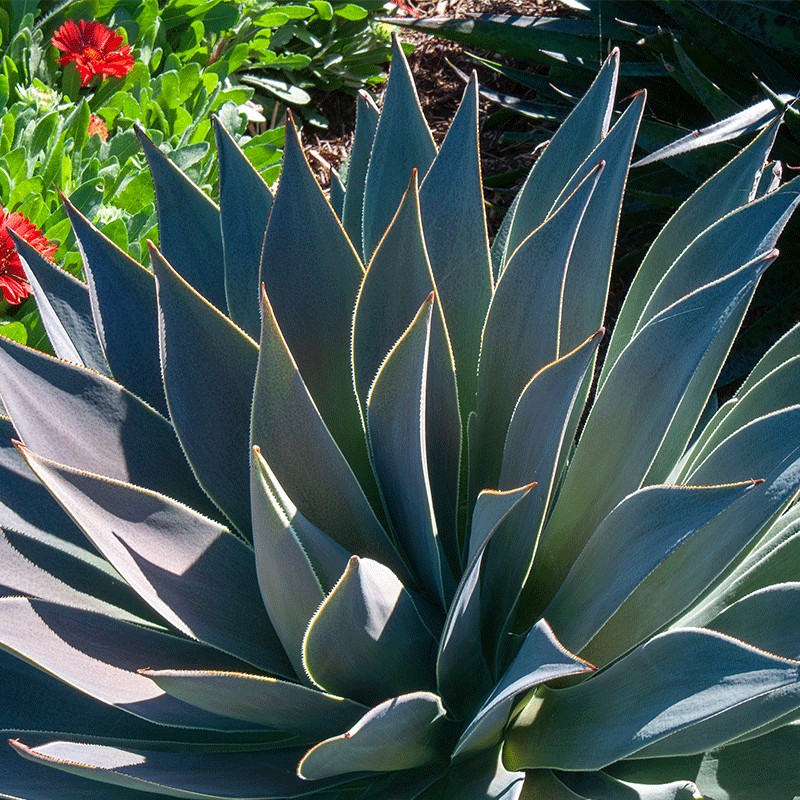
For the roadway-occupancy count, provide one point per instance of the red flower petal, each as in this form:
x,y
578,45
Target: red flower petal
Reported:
x,y
13,284
94,48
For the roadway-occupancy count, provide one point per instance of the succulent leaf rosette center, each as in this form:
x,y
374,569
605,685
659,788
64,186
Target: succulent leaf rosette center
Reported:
x,y
337,500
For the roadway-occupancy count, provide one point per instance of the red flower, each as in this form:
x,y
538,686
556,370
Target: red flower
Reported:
x,y
95,49
97,127
14,286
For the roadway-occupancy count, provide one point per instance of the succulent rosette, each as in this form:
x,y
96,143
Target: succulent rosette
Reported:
x,y
329,504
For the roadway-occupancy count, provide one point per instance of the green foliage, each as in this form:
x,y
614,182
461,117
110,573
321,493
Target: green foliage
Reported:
x,y
286,521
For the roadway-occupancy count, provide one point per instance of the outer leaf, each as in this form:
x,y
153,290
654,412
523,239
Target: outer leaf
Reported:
x,y
195,251
630,543
123,298
725,191
367,640
674,681
312,275
774,560
571,144
260,775
767,448
100,656
396,424
778,389
632,412
261,700
451,207
463,675
68,578
402,143
353,210
401,733
63,302
750,119
733,240
738,772
193,572
210,416
541,658
515,345
288,428
245,203
77,417
585,289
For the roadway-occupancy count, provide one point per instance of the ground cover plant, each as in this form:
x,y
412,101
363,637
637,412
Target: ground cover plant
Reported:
x,y
312,519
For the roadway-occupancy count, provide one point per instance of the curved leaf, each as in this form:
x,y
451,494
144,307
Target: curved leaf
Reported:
x,y
290,432
456,239
401,733
260,699
193,572
367,640
77,417
396,424
676,680
312,274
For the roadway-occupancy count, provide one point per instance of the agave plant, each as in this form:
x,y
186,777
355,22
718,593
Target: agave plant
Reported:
x,y
353,531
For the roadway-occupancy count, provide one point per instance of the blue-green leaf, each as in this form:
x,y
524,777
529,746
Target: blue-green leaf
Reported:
x,y
195,250
264,774
541,658
453,219
402,143
396,424
724,192
675,681
63,303
101,657
632,413
521,331
245,203
353,211
627,547
290,588
312,274
463,676
570,146
193,572
209,367
77,417
485,778
291,434
261,700
401,733
534,444
367,640
123,297
388,300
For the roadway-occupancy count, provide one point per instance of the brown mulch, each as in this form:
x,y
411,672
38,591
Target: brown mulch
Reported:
x,y
440,89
